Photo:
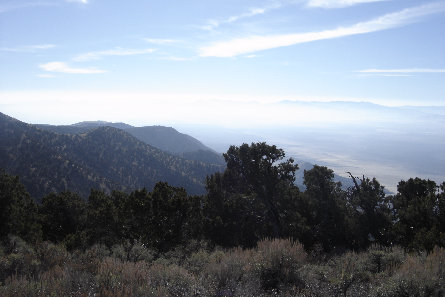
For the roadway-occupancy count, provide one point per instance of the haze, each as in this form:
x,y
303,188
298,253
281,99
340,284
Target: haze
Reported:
x,y
356,85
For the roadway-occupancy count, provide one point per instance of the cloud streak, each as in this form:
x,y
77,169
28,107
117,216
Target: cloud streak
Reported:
x,y
160,41
45,75
338,3
401,71
253,44
28,48
15,6
113,52
213,24
79,1
62,67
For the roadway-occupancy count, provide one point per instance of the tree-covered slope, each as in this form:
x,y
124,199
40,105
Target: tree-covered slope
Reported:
x,y
164,138
103,158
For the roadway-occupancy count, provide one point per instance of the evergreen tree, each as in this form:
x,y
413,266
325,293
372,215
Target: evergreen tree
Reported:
x,y
368,213
168,216
250,197
326,203
18,211
102,219
63,217
415,211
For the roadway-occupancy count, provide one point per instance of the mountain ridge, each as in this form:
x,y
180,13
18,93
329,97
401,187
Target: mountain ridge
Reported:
x,y
165,138
104,158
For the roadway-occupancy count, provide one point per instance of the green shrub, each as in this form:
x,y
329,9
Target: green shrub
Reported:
x,y
19,259
343,275
380,259
132,252
197,262
278,262
181,253
419,275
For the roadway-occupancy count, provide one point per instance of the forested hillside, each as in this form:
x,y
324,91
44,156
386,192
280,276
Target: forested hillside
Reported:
x,y
163,138
104,158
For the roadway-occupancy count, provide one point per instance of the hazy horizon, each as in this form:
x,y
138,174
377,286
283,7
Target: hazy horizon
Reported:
x,y
332,81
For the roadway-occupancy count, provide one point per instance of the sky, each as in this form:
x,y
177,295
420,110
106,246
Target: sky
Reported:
x,y
225,62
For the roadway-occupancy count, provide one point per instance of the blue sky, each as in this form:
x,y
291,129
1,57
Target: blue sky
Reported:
x,y
166,62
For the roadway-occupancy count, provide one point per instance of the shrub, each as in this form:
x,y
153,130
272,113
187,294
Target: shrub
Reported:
x,y
380,259
132,252
181,253
197,262
173,280
343,275
278,262
417,276
118,278
225,270
19,259
20,286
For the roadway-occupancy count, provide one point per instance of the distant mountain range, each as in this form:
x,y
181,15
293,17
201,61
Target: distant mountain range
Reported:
x,y
94,155
163,138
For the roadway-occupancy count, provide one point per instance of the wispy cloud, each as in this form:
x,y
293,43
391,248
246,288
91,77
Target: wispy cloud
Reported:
x,y
45,75
14,6
175,58
338,3
384,75
160,41
402,71
214,23
79,1
252,44
112,52
62,67
28,48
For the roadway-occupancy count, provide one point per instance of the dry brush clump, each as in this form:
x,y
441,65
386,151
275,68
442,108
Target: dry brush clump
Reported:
x,y
419,275
343,275
352,273
275,267
173,280
44,269
226,271
134,252
278,264
272,267
119,278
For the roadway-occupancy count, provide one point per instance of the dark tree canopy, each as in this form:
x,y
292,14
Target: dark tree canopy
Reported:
x,y
418,213
256,178
258,168
326,205
254,198
63,215
18,211
369,213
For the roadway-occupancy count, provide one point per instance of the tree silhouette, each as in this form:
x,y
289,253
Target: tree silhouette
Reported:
x,y
255,180
18,211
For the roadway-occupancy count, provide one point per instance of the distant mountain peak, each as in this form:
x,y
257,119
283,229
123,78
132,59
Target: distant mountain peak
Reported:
x,y
93,124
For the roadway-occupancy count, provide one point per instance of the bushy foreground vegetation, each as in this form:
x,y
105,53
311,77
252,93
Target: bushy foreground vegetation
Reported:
x,y
276,267
324,241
